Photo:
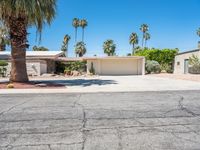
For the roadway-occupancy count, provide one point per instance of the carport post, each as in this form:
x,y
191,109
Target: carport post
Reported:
x,y
143,66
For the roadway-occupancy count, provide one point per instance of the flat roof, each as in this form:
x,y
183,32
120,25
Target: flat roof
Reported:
x,y
33,54
113,57
97,58
191,51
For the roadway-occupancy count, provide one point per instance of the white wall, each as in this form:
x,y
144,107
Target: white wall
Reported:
x,y
117,66
180,60
34,68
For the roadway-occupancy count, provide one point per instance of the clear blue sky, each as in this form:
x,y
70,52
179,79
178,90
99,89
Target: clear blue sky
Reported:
x,y
172,23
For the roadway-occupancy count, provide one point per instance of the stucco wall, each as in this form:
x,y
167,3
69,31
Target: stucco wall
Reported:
x,y
34,68
117,66
180,60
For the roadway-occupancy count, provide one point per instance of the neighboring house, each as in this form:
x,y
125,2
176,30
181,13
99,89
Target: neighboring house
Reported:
x,y
181,65
38,62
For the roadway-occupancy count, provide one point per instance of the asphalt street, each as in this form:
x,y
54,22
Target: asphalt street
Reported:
x,y
101,121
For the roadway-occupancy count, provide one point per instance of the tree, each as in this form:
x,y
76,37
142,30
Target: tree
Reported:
x,y
75,24
147,37
35,48
80,49
83,23
64,47
144,28
4,38
133,39
198,32
18,15
109,47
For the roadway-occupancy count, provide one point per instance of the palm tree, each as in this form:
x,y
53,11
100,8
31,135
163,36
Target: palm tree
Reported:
x,y
83,23
133,39
109,47
144,28
4,38
18,15
75,24
80,49
147,36
65,44
198,32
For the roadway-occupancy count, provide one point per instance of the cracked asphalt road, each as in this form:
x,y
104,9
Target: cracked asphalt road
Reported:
x,y
101,121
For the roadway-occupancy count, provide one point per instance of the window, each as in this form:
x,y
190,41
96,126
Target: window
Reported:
x,y
178,63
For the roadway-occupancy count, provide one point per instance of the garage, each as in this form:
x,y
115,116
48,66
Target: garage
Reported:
x,y
130,65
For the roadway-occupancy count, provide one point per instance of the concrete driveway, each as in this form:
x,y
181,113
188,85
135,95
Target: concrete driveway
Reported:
x,y
101,121
112,84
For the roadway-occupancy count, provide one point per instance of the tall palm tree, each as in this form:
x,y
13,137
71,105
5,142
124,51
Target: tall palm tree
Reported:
x,y
133,40
147,37
198,32
4,38
83,23
80,49
18,15
109,47
75,24
144,28
65,44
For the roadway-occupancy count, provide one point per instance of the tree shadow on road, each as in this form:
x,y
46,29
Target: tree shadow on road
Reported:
x,y
80,82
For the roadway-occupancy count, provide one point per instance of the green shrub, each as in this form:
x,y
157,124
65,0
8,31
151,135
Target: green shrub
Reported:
x,y
3,69
3,63
165,57
92,70
166,67
71,66
152,66
194,62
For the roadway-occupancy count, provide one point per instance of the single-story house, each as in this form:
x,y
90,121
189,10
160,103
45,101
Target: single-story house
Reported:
x,y
38,62
181,65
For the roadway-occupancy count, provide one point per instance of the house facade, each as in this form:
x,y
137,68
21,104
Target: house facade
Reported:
x,y
37,62
181,64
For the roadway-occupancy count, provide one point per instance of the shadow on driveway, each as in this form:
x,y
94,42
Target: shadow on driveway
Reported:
x,y
80,82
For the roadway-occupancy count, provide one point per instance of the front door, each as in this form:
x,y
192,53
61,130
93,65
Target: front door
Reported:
x,y
186,64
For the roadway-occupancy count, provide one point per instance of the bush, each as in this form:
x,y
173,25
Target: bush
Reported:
x,y
71,66
166,67
92,70
10,86
3,68
152,66
165,57
3,63
194,63
76,66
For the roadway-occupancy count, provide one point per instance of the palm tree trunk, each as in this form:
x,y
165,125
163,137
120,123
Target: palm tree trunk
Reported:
x,y
143,40
145,44
66,53
18,37
75,34
133,49
83,35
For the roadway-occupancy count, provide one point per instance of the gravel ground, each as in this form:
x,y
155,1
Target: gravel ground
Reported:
x,y
190,77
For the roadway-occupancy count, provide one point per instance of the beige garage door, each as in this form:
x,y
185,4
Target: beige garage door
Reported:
x,y
119,67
